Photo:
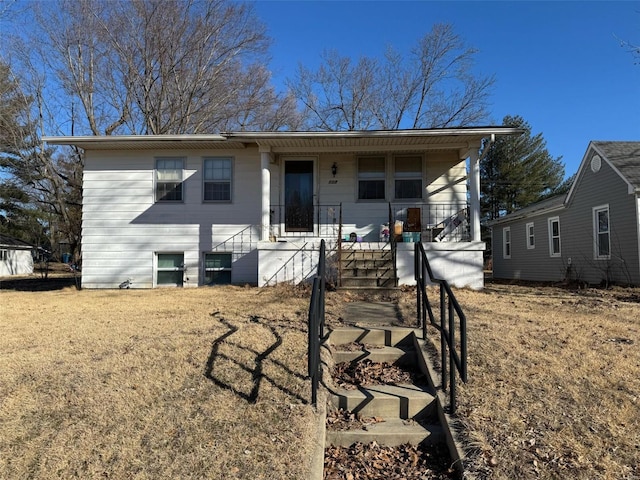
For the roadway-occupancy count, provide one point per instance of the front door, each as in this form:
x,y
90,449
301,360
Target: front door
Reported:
x,y
298,196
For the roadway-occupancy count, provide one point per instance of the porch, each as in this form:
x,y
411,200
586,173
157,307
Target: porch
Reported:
x,y
444,229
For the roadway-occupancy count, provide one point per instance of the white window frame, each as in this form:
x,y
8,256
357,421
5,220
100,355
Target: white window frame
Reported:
x,y
4,255
506,242
531,238
404,176
158,180
371,176
221,180
216,269
552,252
597,233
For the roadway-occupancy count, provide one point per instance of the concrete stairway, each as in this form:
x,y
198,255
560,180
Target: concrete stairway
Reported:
x,y
405,413
367,268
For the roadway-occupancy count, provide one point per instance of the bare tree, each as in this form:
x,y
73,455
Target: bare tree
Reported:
x,y
433,86
161,66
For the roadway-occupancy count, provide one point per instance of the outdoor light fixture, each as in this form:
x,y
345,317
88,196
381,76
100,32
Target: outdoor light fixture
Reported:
x,y
334,169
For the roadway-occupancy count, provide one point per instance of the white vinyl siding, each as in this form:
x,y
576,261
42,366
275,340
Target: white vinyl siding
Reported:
x,y
601,233
408,177
217,178
169,176
531,239
554,237
506,242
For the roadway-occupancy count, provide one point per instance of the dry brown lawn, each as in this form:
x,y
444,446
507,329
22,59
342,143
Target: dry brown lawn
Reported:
x,y
210,383
554,383
181,383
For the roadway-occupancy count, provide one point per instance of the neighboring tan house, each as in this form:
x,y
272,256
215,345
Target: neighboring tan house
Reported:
x,y
252,207
15,257
591,235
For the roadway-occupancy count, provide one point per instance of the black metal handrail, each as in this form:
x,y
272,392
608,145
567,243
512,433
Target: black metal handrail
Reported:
x,y
449,310
316,325
393,243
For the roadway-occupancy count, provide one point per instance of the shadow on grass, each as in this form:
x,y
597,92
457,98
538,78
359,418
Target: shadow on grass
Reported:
x,y
39,284
256,370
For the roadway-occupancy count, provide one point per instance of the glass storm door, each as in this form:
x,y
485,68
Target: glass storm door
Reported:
x,y
298,196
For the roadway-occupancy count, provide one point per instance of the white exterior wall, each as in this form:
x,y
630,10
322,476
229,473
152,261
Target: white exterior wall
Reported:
x,y
123,228
18,262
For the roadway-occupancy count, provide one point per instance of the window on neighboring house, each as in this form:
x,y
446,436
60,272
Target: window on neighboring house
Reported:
x,y
170,269
601,233
217,179
169,179
531,239
371,178
408,177
4,255
554,237
506,242
217,268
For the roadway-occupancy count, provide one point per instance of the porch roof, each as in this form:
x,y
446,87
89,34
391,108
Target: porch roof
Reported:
x,y
462,139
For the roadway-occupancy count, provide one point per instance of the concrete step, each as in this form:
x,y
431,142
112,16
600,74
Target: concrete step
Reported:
x,y
395,337
394,355
386,401
391,433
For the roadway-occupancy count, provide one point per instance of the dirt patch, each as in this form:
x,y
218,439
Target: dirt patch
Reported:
x,y
373,461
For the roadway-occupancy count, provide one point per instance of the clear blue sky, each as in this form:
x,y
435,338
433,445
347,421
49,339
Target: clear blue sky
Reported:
x,y
559,65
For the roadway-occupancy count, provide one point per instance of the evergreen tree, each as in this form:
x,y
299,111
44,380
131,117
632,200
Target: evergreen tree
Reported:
x,y
517,171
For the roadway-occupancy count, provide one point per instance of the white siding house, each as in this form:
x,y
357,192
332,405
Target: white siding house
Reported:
x,y
15,257
252,207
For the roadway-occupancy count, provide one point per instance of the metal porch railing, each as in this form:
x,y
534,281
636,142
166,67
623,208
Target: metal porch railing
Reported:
x,y
450,348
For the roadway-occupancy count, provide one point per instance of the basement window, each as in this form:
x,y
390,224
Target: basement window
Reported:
x,y
217,268
171,269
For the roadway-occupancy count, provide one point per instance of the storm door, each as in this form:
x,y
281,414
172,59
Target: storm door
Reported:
x,y
298,196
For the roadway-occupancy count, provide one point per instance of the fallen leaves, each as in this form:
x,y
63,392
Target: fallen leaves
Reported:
x,y
351,375
372,461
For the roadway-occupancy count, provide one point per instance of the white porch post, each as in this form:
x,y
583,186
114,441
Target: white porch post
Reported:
x,y
265,159
474,194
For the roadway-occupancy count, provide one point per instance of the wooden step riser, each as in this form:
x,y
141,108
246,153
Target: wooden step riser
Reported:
x,y
368,273
366,255
351,263
370,282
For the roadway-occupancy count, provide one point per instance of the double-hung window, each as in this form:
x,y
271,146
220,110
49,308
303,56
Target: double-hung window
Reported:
x,y
217,179
531,239
408,177
170,269
554,237
601,233
217,268
169,173
506,242
371,178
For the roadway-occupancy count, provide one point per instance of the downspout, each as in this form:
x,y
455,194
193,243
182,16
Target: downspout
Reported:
x,y
474,189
